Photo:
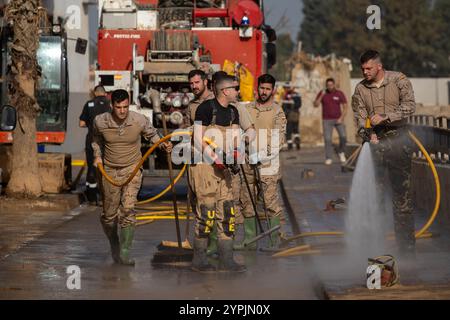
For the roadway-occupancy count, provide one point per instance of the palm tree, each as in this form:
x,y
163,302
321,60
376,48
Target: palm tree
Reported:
x,y
24,17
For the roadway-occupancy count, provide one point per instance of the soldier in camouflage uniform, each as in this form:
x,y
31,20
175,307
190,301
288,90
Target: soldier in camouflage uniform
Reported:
x,y
387,99
270,122
117,145
211,178
198,83
247,125
199,86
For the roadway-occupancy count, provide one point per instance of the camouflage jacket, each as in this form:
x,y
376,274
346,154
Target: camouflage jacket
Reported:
x,y
394,98
269,118
120,145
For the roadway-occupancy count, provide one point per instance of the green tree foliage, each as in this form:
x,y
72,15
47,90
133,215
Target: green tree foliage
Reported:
x,y
314,32
282,70
414,36
441,16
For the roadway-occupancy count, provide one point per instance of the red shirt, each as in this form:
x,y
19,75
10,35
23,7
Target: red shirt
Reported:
x,y
331,104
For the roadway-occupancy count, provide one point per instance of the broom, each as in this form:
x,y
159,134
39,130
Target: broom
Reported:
x,y
170,252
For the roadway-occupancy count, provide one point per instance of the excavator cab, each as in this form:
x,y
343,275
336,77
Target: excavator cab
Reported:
x,y
52,92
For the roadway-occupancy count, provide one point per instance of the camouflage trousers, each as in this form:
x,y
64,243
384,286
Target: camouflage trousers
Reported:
x,y
118,204
393,154
269,188
214,201
236,189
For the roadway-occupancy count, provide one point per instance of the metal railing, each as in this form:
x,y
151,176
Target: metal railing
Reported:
x,y
434,133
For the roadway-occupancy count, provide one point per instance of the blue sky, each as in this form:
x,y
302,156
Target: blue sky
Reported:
x,y
292,9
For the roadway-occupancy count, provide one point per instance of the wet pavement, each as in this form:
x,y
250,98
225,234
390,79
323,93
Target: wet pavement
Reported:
x,y
21,222
342,274
37,268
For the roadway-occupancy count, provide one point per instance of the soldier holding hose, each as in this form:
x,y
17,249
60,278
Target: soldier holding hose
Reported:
x,y
211,179
117,145
387,99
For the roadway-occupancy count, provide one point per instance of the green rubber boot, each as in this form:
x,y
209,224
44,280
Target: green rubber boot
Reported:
x,y
110,230
212,246
249,234
275,236
126,240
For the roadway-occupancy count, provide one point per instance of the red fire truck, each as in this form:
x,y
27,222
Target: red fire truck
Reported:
x,y
148,47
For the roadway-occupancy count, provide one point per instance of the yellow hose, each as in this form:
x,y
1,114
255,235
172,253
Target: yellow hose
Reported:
x,y
151,217
155,208
146,155
437,183
166,212
144,222
422,233
141,162
289,251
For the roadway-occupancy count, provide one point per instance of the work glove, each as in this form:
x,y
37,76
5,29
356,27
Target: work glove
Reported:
x,y
365,134
253,158
236,155
218,161
234,167
219,164
263,158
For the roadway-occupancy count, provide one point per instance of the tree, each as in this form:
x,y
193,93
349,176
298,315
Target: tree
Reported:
x,y
413,37
314,30
349,40
441,16
24,73
281,70
409,36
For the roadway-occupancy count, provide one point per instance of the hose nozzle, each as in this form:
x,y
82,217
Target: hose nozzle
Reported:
x,y
366,132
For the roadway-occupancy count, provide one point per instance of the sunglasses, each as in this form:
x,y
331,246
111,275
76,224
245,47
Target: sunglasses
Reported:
x,y
237,88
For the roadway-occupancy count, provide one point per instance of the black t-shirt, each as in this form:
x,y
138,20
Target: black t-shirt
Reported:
x,y
224,116
297,101
93,108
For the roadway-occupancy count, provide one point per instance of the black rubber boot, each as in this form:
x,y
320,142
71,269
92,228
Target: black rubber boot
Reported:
x,y
290,146
200,259
111,232
226,260
91,196
126,240
297,143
